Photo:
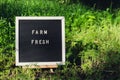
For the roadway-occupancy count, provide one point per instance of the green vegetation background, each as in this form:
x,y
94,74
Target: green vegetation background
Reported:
x,y
92,40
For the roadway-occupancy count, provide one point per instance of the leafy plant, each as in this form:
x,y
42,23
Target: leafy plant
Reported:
x,y
92,40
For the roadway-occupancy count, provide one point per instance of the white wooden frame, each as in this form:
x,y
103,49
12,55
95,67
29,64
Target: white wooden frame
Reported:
x,y
40,18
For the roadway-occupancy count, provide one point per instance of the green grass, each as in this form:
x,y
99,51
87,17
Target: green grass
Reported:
x,y
92,41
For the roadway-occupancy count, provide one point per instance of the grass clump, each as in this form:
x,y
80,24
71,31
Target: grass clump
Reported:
x,y
92,41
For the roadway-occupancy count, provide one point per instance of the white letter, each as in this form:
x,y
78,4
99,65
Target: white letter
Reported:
x,y
41,31
33,31
36,41
43,41
32,41
36,32
45,31
47,41
40,42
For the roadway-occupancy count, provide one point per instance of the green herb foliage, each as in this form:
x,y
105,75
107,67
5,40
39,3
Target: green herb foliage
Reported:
x,y
92,40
